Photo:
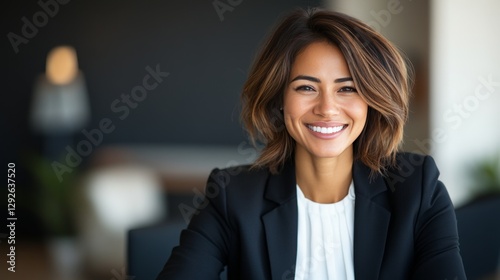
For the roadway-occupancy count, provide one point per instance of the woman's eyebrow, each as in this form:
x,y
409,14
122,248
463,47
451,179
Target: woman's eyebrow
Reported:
x,y
341,80
316,80
304,77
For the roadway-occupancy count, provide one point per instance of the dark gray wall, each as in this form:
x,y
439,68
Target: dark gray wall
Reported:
x,y
207,57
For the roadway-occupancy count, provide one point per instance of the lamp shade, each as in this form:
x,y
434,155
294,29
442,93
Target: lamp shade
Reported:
x,y
62,65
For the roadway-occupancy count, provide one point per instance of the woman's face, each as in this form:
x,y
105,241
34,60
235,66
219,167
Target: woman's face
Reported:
x,y
322,109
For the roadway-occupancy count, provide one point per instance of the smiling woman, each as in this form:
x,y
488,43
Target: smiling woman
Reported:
x,y
376,68
330,196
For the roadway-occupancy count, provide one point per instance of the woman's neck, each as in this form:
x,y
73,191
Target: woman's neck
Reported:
x,y
324,180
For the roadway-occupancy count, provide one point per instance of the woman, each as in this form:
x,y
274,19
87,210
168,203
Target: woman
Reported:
x,y
329,197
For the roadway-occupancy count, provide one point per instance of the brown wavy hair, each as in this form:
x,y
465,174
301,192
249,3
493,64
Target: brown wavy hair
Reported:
x,y
379,71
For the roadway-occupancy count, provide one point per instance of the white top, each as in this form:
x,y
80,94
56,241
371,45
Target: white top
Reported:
x,y
325,238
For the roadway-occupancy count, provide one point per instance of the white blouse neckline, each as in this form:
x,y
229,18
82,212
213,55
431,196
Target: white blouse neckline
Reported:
x,y
325,238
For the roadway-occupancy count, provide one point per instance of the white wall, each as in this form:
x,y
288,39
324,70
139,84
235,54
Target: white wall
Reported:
x,y
465,88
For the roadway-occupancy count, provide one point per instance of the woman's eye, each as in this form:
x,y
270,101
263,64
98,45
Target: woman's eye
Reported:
x,y
348,89
304,88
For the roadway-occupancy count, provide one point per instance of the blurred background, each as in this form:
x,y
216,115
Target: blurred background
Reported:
x,y
116,111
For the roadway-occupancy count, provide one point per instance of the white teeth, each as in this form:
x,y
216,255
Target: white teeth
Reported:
x,y
325,130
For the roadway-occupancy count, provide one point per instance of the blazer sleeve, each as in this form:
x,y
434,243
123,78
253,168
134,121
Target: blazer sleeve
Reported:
x,y
436,237
203,247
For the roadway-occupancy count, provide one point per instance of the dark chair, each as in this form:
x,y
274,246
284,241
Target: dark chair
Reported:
x,y
479,231
149,248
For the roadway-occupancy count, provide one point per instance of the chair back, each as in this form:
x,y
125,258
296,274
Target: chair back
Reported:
x,y
479,232
150,247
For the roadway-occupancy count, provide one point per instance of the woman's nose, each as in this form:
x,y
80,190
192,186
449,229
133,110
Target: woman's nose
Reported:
x,y
327,105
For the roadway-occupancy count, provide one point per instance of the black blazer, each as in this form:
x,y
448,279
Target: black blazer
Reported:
x,y
404,226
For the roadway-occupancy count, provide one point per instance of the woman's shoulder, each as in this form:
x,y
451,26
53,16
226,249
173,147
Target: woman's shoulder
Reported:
x,y
239,180
412,164
412,169
414,174
239,187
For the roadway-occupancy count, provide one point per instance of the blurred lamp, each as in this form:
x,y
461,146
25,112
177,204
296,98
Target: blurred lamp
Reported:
x,y
60,104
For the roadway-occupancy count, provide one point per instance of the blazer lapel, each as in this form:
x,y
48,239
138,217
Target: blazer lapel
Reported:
x,y
280,223
371,222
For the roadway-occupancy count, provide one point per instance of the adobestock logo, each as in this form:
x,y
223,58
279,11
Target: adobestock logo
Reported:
x,y
218,181
383,17
458,113
471,103
454,118
221,7
95,136
30,28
